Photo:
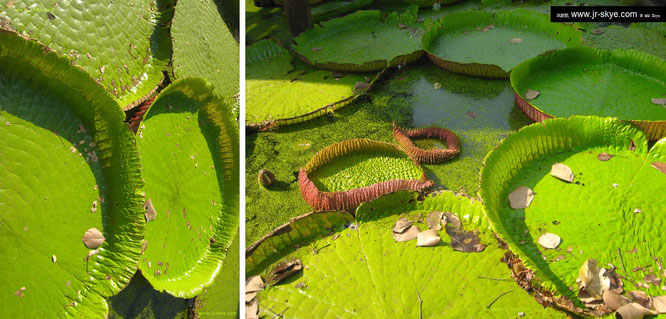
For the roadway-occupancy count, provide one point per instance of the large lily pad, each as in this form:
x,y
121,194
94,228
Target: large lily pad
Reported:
x,y
362,42
204,46
487,44
588,80
120,43
221,298
280,93
612,211
188,143
69,164
353,267
347,173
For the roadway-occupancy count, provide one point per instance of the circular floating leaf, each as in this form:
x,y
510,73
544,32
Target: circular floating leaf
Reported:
x,y
362,42
609,213
465,42
203,46
585,81
345,174
64,146
404,138
278,94
188,143
366,273
120,43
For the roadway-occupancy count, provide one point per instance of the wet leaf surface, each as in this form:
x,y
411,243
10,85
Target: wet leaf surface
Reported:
x,y
521,197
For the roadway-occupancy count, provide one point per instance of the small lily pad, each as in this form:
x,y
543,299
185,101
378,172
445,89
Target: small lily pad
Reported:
x,y
562,172
93,238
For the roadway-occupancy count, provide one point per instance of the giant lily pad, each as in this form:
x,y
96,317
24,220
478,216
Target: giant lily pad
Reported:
x,y
487,44
188,143
348,173
585,81
354,267
119,43
612,212
278,94
69,164
204,46
362,42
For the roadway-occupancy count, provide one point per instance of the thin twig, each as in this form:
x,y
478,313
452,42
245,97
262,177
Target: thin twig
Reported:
x,y
622,262
316,251
498,279
420,305
498,297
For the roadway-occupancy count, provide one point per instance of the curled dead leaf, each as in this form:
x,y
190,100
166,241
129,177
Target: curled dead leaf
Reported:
x,y
660,166
521,197
401,225
283,270
93,238
603,156
549,240
515,40
614,301
659,101
640,298
435,220
562,172
632,311
411,233
428,238
253,284
592,280
466,242
659,304
597,31
531,94
452,222
150,210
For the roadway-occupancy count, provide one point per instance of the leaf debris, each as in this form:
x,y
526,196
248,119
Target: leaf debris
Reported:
x,y
435,220
93,238
283,270
603,156
659,101
531,94
515,40
562,172
660,166
549,240
428,238
521,197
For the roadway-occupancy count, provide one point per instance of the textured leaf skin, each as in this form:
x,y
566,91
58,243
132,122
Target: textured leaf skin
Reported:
x,y
592,78
427,156
361,42
489,54
221,298
365,273
47,190
130,52
600,203
189,141
204,46
333,192
278,94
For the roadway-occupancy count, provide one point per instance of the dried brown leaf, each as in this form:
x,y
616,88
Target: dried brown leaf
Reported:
x,y
411,233
562,172
640,298
150,210
659,101
531,94
652,279
93,238
402,26
253,284
316,49
361,86
592,280
597,31
549,240
521,197
516,40
467,242
603,156
660,166
252,309
435,220
401,225
283,270
452,222
659,304
428,238
19,293
632,311
615,301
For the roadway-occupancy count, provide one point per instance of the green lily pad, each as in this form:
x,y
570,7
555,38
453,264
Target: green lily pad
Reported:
x,y
488,44
188,143
362,42
221,298
611,212
278,94
126,58
354,267
69,164
585,81
204,46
